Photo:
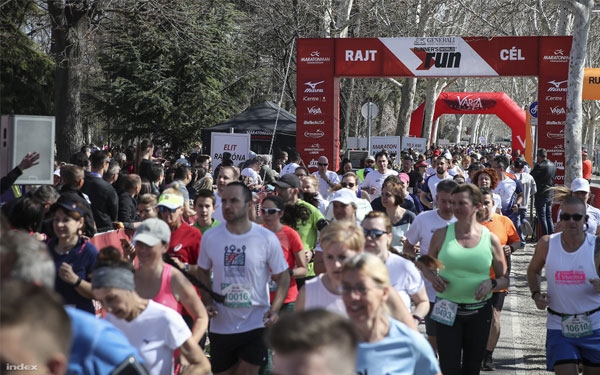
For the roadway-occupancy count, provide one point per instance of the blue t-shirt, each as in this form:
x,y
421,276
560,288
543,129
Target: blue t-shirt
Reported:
x,y
82,258
402,352
98,347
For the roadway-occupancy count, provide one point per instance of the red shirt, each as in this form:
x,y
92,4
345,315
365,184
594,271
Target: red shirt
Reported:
x,y
291,243
185,243
586,169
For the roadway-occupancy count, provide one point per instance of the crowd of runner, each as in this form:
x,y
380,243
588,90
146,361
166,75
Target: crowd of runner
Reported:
x,y
266,268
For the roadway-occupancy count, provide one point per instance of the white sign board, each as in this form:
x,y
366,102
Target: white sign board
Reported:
x,y
443,142
417,144
356,143
390,143
238,145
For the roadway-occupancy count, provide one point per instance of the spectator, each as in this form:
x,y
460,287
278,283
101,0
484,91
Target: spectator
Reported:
x,y
103,197
127,217
28,161
543,173
586,166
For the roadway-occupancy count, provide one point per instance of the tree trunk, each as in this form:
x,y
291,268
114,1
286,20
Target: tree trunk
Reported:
x,y
573,127
69,28
407,97
429,128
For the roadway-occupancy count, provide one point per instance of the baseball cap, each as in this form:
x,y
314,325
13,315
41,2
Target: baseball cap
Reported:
x,y
404,177
171,201
437,153
541,152
519,163
370,157
152,232
345,196
68,205
422,163
287,181
580,184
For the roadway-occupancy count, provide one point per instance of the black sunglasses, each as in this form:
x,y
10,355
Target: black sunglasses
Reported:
x,y
373,233
567,217
269,211
348,184
323,164
167,209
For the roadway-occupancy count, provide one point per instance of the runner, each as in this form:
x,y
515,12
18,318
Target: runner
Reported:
x,y
572,298
243,257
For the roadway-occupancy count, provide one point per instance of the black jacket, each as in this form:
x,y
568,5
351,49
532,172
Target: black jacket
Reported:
x,y
543,173
105,202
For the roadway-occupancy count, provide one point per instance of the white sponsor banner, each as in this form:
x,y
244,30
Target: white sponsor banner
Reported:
x,y
443,142
356,143
390,143
417,144
238,145
439,56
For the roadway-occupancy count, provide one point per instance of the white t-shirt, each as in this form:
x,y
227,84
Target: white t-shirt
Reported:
x,y
506,188
404,276
156,333
288,168
242,265
316,296
218,212
323,186
375,179
432,183
421,231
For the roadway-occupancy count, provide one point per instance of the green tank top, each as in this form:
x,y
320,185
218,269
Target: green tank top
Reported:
x,y
464,268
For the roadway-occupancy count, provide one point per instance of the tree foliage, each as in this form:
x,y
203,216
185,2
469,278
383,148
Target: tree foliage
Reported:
x,y
169,68
26,73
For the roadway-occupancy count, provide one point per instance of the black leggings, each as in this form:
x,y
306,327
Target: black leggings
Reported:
x,y
465,340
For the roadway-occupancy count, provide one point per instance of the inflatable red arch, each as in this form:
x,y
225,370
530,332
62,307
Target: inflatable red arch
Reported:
x,y
476,103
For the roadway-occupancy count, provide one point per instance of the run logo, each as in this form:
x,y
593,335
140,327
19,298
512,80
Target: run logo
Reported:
x,y
437,59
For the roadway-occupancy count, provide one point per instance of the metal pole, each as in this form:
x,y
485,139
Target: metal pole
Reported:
x,y
369,127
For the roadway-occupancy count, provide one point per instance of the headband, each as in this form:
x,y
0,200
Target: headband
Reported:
x,y
113,277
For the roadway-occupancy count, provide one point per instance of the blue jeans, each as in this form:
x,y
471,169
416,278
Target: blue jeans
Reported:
x,y
543,208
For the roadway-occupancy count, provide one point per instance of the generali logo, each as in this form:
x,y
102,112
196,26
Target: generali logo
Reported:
x,y
314,134
557,56
558,110
315,58
312,87
557,86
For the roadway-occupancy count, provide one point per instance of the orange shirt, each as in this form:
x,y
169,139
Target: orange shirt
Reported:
x,y
506,232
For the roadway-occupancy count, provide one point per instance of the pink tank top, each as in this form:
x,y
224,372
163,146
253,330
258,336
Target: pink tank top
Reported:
x,y
165,293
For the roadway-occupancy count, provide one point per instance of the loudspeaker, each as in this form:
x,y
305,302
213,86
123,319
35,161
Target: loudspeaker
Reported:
x,y
21,134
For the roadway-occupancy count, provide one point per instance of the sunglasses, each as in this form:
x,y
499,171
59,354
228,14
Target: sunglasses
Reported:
x,y
348,184
373,233
567,217
163,209
269,211
322,164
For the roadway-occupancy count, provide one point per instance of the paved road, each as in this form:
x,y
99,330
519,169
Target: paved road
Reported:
x,y
521,349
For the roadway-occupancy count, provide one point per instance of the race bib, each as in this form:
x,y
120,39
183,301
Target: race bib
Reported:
x,y
237,295
576,326
444,312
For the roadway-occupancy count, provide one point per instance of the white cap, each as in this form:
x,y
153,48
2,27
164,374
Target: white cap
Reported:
x,y
580,184
345,196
